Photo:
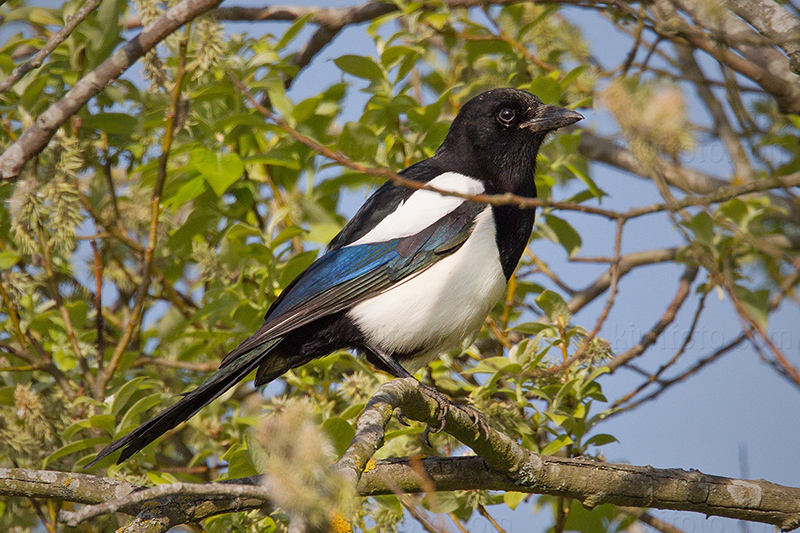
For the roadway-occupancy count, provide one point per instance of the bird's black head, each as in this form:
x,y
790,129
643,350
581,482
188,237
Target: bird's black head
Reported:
x,y
496,136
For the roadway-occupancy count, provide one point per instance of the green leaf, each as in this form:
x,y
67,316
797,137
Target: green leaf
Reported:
x,y
323,233
756,303
596,191
394,54
127,390
78,313
44,17
292,32
240,465
352,411
8,260
554,307
572,75
360,67
112,123
734,209
33,91
188,191
564,390
564,234
161,478
279,100
601,439
296,265
596,520
226,457
73,447
358,142
138,408
703,227
104,422
287,234
557,444
219,169
341,433
546,88
281,158
103,42
531,328
7,395
64,360
556,418
512,499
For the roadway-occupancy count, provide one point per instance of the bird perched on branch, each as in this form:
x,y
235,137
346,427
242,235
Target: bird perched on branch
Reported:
x,y
413,274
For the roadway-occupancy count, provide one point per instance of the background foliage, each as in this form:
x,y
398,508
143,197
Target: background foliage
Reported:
x,y
150,236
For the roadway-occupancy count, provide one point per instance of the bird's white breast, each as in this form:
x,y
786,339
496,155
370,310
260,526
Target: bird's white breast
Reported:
x,y
436,310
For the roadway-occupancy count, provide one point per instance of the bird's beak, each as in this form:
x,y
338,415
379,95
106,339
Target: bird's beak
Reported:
x,y
550,117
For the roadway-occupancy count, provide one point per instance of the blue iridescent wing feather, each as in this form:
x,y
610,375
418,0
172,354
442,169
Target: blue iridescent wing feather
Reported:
x,y
345,276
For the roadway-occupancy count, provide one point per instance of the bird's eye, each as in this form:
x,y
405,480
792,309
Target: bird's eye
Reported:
x,y
506,116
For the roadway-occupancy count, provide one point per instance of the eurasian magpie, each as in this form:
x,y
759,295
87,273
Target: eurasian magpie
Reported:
x,y
414,274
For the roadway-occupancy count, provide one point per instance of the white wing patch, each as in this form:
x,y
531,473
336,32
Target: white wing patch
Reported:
x,y
422,208
440,307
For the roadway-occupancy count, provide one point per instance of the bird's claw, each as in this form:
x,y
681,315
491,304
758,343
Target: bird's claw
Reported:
x,y
398,414
476,416
444,407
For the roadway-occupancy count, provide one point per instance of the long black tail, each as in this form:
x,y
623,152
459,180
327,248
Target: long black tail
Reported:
x,y
189,405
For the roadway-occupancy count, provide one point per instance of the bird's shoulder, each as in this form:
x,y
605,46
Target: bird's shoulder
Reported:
x,y
384,201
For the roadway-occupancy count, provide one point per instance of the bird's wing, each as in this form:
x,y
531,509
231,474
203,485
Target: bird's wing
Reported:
x,y
348,275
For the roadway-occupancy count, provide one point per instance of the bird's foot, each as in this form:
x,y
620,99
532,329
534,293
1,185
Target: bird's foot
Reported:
x,y
445,404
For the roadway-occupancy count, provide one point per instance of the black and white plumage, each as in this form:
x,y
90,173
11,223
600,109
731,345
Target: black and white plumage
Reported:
x,y
414,273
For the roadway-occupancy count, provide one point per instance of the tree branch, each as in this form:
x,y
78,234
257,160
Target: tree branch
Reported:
x,y
161,492
732,139
35,138
628,262
58,38
333,16
503,465
786,94
775,23
688,180
67,486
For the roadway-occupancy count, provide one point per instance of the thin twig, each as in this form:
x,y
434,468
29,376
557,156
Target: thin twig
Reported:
x,y
615,272
646,518
62,309
57,38
170,363
484,513
666,384
721,195
684,289
98,305
155,210
674,359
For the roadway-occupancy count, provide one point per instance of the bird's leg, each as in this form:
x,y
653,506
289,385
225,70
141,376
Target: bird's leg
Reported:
x,y
397,370
385,362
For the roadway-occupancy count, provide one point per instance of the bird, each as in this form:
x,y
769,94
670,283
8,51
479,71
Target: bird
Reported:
x,y
413,274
